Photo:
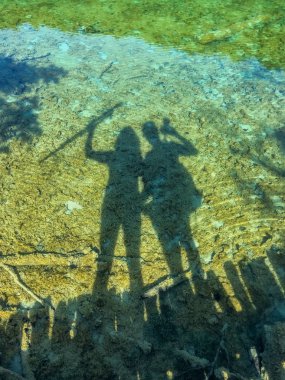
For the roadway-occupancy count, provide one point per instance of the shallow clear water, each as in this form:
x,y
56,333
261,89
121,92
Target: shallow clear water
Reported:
x,y
142,189
236,28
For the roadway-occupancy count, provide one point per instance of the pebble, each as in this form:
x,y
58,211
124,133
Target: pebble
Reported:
x,y
64,47
246,127
218,224
72,205
207,259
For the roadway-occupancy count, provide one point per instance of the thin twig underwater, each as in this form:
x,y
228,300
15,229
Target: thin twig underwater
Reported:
x,y
92,124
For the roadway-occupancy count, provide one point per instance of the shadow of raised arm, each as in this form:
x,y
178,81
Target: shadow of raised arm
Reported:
x,y
184,147
90,152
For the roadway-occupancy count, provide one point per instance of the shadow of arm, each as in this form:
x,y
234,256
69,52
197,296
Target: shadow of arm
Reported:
x,y
184,147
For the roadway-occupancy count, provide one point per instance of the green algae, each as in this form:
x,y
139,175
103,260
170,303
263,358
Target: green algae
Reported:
x,y
238,29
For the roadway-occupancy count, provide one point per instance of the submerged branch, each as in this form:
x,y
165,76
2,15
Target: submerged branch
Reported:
x,y
19,282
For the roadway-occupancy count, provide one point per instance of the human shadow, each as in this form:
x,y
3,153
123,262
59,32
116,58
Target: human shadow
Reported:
x,y
121,206
185,335
170,195
255,312
19,100
106,334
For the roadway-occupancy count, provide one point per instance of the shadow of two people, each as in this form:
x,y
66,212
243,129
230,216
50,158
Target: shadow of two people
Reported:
x,y
168,198
117,336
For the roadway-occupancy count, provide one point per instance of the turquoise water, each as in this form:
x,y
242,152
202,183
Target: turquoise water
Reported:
x,y
142,190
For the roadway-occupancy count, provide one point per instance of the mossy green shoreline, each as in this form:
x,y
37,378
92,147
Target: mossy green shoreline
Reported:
x,y
238,29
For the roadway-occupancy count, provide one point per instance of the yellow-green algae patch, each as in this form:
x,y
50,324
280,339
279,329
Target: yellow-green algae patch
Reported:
x,y
236,28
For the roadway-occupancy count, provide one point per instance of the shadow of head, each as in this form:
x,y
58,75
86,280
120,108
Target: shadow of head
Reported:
x,y
150,132
127,141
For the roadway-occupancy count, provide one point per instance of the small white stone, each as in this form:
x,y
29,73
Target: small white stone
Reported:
x,y
246,127
72,205
207,259
218,224
63,47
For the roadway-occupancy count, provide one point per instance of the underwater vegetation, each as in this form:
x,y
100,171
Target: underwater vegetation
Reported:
x,y
235,28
